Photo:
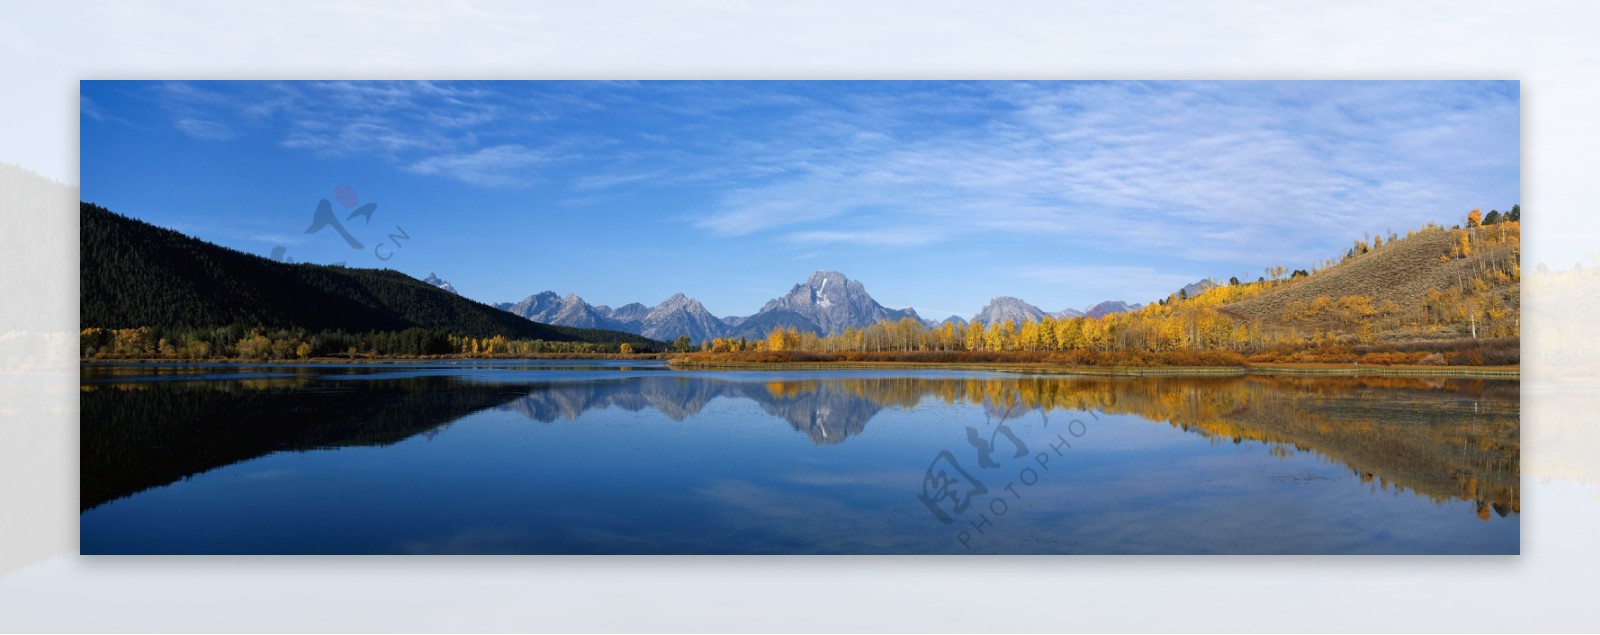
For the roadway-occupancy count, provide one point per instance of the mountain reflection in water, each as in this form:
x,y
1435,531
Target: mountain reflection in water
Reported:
x,y
1442,438
1445,439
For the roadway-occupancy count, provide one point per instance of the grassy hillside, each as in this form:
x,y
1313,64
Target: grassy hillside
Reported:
x,y
1432,284
133,274
1402,273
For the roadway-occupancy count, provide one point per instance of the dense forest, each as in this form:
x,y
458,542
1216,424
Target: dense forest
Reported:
x,y
150,292
1435,296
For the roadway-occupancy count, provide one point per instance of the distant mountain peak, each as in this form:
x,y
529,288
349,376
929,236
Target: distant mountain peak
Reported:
x,y
1005,307
549,308
828,302
1197,288
631,312
676,302
1108,307
680,315
434,280
543,307
841,287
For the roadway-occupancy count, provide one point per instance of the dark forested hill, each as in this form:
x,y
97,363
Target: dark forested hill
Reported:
x,y
135,274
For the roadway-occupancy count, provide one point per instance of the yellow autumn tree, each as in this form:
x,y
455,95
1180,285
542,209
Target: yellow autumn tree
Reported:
x,y
781,339
994,337
974,336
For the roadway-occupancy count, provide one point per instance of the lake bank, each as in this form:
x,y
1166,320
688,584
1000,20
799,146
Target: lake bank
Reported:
x,y
1312,369
386,359
683,362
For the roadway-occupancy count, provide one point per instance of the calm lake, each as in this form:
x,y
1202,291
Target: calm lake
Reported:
x,y
580,457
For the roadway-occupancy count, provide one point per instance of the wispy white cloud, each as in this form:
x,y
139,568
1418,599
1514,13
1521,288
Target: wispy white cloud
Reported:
x,y
495,166
204,129
395,121
362,138
90,108
900,237
1193,170
605,181
198,112
1197,170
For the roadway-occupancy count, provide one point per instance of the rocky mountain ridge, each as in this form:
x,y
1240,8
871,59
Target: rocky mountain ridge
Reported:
x,y
826,303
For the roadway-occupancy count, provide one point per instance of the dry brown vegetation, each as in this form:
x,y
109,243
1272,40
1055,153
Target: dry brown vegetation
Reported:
x,y
1075,357
1503,351
1434,284
1401,272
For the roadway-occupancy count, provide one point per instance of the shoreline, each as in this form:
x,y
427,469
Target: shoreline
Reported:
x,y
383,360
1303,369
1020,368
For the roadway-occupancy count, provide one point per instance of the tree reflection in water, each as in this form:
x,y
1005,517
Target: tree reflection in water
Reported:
x,y
1440,438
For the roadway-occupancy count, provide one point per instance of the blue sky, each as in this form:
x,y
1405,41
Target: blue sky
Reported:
x,y
936,195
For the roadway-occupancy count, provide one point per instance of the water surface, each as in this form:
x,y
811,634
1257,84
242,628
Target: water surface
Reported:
x,y
608,457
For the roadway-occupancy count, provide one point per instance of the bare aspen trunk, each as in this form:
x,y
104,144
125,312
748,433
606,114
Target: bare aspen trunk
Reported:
x,y
1472,310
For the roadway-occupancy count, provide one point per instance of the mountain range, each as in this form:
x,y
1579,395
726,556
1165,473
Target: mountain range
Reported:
x,y
825,413
676,316
827,303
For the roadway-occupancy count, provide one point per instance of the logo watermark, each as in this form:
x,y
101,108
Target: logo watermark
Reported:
x,y
323,218
952,493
